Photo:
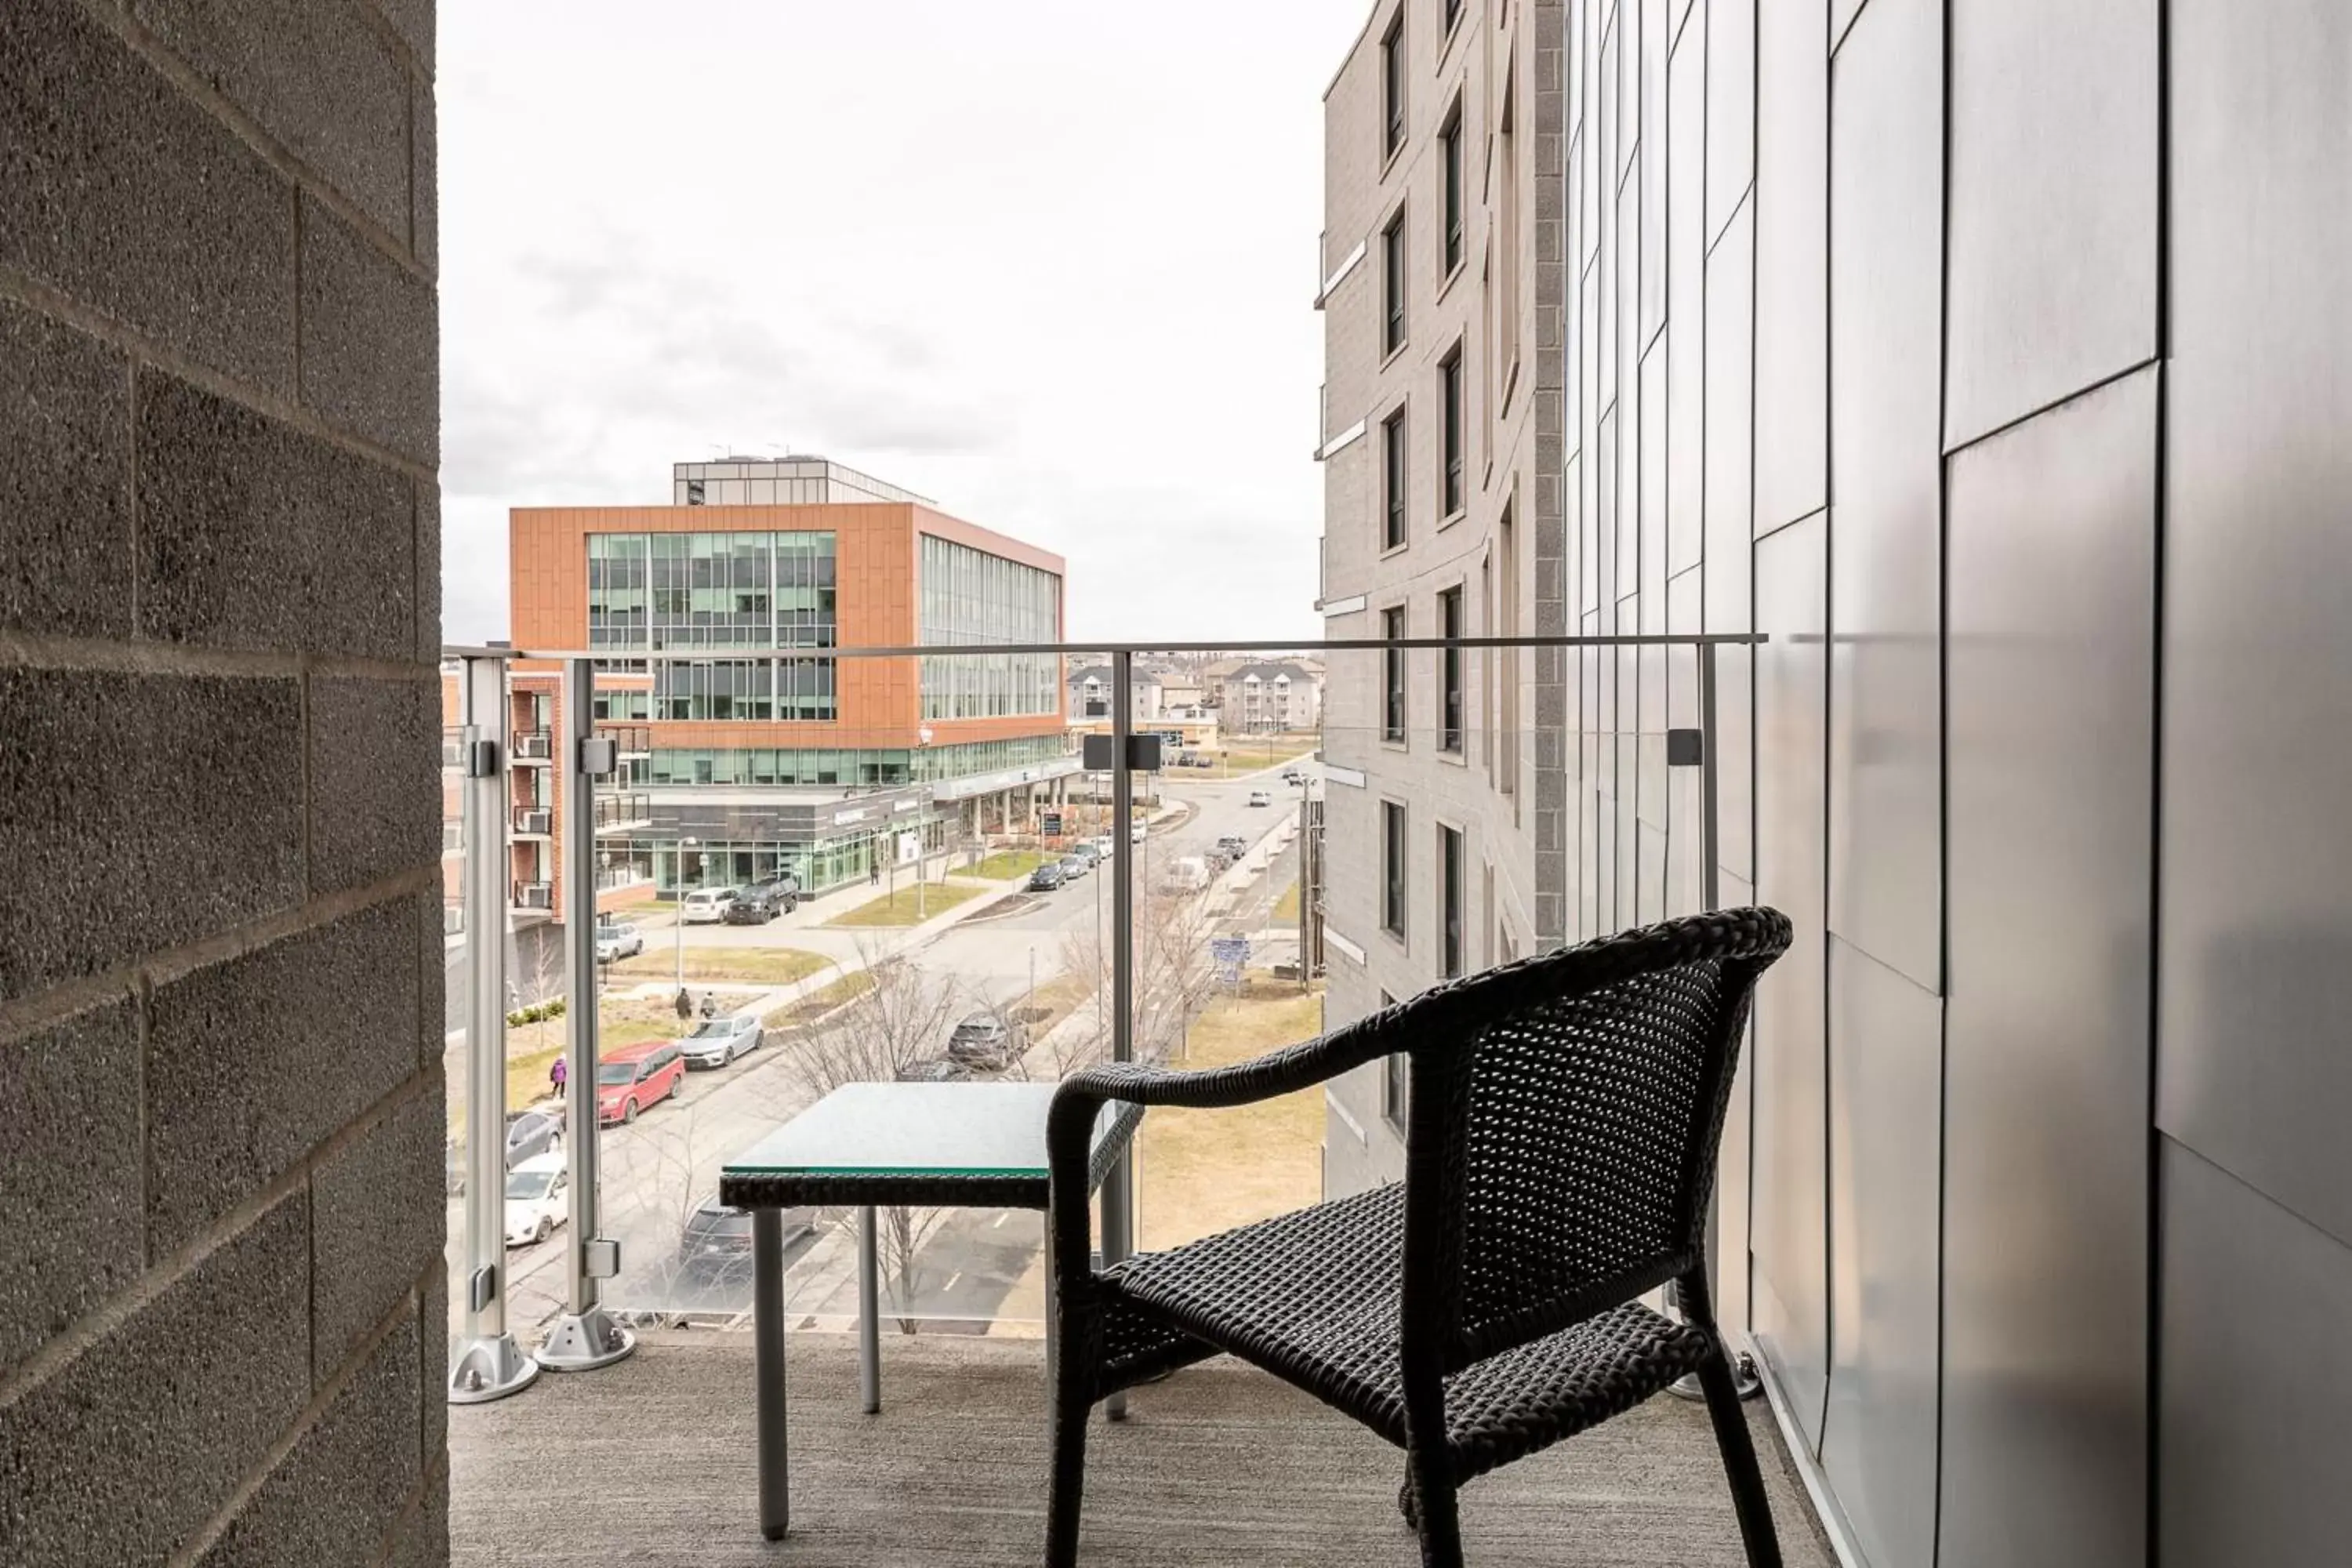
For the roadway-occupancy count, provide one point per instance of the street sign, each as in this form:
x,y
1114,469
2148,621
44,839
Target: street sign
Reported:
x,y
1232,955
910,848
1050,823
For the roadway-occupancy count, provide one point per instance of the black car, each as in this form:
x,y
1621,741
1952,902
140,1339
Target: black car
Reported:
x,y
1046,879
759,905
716,1239
1233,845
984,1040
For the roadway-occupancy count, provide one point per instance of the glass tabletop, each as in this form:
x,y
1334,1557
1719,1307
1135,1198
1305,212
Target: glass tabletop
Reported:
x,y
913,1130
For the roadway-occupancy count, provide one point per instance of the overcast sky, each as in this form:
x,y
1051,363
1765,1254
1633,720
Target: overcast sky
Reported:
x,y
1050,262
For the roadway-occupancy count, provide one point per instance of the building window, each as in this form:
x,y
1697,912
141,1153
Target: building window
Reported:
x,y
1449,625
1449,376
1392,85
1392,284
969,597
1449,902
1392,869
1393,677
1396,1079
1449,148
694,492
1505,721
1392,481
1453,14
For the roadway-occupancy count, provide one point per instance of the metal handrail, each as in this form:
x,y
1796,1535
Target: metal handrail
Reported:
x,y
1129,648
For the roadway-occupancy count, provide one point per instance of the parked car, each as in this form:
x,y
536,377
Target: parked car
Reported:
x,y
1235,845
619,939
538,1198
716,1042
936,1069
1046,878
1135,836
985,1040
706,906
1090,852
1074,866
1259,797
1102,844
782,893
637,1078
755,907
1185,874
716,1239
532,1133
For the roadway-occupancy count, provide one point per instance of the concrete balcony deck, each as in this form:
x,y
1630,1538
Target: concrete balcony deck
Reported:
x,y
651,1462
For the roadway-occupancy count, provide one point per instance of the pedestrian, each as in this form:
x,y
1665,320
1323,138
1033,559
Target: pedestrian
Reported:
x,y
711,1004
874,873
557,1072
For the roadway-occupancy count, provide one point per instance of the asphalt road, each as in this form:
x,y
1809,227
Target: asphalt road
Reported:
x,y
655,1170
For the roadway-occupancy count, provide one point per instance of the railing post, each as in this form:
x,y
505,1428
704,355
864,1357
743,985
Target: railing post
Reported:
x,y
585,1336
1119,1187
486,1363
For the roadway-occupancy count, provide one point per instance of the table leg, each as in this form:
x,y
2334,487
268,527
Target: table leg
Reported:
x,y
768,1354
1053,1314
869,1312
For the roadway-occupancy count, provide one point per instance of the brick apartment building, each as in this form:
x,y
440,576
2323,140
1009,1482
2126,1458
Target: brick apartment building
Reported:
x,y
764,756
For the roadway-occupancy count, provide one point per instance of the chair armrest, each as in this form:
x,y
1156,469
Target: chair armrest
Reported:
x,y
1069,1124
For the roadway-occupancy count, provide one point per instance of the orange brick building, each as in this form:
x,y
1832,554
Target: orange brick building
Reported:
x,y
761,754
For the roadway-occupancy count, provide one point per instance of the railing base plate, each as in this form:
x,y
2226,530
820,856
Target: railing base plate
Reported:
x,y
583,1342
489,1368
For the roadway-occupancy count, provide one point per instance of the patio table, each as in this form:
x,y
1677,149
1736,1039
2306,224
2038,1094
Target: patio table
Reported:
x,y
973,1145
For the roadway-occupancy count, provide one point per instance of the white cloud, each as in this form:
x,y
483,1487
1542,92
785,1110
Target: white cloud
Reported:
x,y
1048,262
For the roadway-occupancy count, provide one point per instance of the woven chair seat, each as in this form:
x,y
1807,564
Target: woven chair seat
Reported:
x,y
1312,1297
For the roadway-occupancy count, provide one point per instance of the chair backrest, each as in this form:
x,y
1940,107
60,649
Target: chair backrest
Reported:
x,y
1562,1131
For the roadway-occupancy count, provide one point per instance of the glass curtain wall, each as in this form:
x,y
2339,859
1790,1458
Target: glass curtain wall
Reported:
x,y
969,597
730,591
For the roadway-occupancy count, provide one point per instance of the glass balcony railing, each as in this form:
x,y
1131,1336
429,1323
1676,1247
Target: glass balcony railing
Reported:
x,y
1356,823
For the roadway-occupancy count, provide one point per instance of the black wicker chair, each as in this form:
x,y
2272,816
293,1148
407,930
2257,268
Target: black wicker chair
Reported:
x,y
1560,1148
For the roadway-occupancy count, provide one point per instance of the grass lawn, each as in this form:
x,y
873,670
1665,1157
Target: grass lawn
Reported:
x,y
1007,864
819,1002
757,965
898,909
1204,1171
1248,753
531,1048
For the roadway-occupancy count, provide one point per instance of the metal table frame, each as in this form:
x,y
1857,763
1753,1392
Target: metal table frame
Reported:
x,y
765,1192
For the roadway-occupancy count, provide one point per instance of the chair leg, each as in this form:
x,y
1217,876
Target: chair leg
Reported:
x,y
1068,1484
1429,1505
1748,1497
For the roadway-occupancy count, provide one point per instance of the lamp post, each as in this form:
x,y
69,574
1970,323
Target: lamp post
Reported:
x,y
683,846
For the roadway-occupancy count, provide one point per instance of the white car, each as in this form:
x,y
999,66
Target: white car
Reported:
x,y
618,941
1138,835
718,1041
706,906
1104,844
538,1198
1259,797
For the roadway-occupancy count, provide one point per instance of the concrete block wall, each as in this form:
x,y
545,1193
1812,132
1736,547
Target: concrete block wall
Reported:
x,y
222,1307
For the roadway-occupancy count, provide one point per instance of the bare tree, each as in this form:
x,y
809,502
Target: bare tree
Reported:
x,y
901,1018
1173,979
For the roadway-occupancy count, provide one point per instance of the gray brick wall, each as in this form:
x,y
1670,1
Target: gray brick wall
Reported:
x,y
221,1324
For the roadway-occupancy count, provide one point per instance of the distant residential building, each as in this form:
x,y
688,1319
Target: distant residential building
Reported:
x,y
1091,687
1270,696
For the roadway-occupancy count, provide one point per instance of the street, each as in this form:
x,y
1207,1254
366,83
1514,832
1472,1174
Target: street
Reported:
x,y
974,1265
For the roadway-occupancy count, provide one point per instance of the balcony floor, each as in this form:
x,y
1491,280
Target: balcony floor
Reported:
x,y
651,1462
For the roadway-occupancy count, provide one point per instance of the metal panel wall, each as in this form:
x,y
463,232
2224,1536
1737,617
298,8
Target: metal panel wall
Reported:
x,y
2255,1427
2052,605
1878,1443
1792,261
2053,258
1887,156
1790,1237
2256,924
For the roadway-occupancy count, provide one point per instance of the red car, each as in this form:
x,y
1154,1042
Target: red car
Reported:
x,y
630,1079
